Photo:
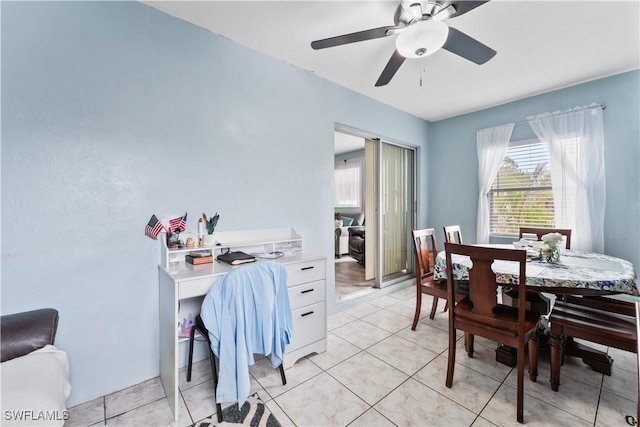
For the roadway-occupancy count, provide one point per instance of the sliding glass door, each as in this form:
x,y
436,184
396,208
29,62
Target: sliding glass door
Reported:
x,y
381,243
396,207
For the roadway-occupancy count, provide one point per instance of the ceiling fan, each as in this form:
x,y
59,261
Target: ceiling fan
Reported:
x,y
421,32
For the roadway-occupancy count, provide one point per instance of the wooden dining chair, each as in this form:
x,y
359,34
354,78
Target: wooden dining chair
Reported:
x,y
539,232
452,234
537,301
481,314
425,250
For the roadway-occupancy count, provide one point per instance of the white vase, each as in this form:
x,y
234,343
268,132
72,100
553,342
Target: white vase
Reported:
x,y
209,239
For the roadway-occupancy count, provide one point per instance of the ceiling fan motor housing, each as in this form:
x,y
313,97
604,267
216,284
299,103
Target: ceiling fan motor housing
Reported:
x,y
413,11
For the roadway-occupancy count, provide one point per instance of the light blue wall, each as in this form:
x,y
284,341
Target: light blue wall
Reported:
x,y
115,111
453,160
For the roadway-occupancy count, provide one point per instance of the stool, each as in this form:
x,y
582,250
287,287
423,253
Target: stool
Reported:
x,y
199,326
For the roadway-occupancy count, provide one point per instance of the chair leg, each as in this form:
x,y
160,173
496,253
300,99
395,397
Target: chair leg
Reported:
x,y
520,390
199,326
214,374
284,378
191,341
533,357
416,316
452,357
434,307
468,343
555,361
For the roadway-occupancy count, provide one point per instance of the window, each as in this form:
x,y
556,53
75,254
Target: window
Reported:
x,y
347,183
521,194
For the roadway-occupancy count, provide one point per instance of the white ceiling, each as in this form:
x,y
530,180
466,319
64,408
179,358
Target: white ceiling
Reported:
x,y
541,45
345,143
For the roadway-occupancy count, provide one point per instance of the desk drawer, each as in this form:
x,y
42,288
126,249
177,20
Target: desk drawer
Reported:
x,y
305,271
306,294
195,288
309,325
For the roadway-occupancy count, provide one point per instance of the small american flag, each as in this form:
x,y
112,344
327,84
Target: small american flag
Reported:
x,y
178,224
153,227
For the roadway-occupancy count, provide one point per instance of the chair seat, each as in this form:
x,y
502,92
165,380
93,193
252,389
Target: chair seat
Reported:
x,y
593,324
504,316
439,288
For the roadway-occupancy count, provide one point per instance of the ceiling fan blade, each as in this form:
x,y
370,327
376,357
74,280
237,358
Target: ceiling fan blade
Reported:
x,y
359,36
467,47
463,7
390,69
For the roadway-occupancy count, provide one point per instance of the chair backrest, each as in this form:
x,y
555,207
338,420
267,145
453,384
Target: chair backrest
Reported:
x,y
483,287
452,234
425,250
539,232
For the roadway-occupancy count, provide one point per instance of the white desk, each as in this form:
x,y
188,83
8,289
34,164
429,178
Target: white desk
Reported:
x,y
182,291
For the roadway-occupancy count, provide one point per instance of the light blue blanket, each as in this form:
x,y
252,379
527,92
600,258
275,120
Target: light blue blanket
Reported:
x,y
247,312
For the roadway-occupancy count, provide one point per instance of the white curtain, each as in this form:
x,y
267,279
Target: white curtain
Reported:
x,y
492,145
575,140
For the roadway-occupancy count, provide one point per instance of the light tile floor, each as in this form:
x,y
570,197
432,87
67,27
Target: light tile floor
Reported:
x,y
378,372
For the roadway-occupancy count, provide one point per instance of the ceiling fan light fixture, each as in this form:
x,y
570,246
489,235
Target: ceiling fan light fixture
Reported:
x,y
422,39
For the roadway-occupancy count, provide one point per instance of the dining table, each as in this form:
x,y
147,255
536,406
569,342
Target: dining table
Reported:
x,y
575,273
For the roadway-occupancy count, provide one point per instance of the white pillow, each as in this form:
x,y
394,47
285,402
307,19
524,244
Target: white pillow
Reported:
x,y
338,223
35,388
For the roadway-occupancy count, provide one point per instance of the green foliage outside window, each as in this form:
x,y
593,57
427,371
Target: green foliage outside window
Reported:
x,y
521,194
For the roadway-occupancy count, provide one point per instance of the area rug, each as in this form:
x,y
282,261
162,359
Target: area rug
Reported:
x,y
253,413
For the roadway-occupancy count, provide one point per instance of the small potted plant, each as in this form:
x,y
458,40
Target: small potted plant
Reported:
x,y
211,226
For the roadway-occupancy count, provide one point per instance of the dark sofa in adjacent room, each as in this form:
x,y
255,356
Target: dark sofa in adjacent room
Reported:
x,y
356,244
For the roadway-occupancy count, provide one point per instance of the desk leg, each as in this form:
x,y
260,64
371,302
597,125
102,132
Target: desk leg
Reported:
x,y
168,351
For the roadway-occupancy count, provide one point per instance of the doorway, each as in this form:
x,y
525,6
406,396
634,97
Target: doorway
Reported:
x,y
374,185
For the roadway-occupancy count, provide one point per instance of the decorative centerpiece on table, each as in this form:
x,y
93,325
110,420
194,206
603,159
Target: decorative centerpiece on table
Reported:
x,y
210,223
550,251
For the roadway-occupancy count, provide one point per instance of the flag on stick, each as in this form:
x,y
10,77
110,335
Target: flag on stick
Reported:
x,y
179,223
153,227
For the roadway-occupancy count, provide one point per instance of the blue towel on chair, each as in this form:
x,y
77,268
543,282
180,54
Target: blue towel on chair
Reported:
x,y
247,312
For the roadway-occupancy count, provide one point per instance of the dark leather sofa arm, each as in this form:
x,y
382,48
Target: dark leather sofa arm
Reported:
x,y
357,230
22,333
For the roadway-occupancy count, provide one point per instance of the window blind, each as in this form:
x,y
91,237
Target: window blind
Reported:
x,y
521,194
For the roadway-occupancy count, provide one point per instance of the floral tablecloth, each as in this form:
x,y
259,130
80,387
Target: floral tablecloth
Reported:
x,y
580,270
